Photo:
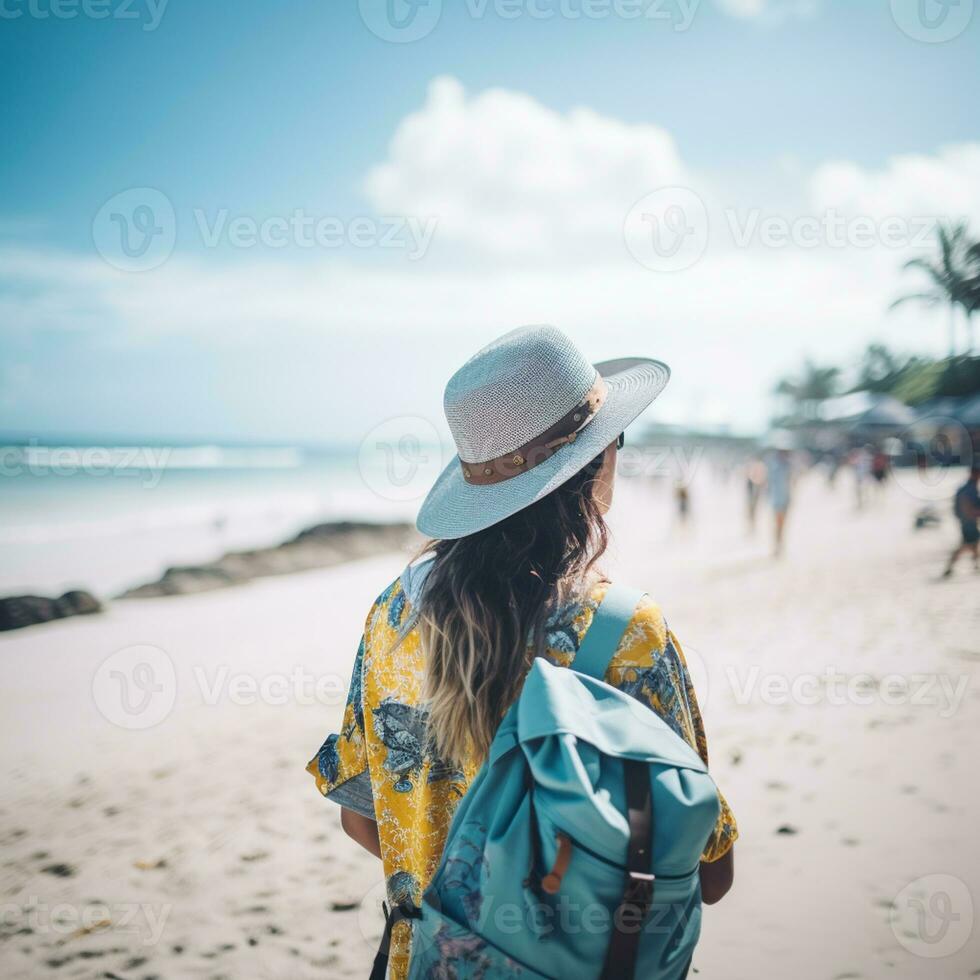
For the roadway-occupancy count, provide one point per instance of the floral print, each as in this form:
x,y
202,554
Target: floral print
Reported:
x,y
463,871
328,759
401,728
402,886
383,736
464,951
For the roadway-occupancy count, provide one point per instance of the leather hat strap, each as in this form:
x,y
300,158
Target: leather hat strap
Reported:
x,y
542,447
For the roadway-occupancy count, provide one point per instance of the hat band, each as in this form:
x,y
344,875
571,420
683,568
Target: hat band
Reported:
x,y
542,447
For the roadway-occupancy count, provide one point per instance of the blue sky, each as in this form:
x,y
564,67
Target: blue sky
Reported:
x,y
261,110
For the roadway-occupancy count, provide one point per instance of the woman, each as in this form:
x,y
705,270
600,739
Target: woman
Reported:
x,y
517,528
779,478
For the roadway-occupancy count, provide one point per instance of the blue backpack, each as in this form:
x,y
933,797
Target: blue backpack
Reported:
x,y
576,850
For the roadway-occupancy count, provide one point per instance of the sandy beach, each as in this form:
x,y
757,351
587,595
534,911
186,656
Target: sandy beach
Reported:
x,y
839,687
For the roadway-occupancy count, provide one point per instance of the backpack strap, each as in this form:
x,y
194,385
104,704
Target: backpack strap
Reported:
x,y
399,913
624,944
609,623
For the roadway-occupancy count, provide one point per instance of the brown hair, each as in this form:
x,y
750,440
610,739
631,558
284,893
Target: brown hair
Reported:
x,y
482,614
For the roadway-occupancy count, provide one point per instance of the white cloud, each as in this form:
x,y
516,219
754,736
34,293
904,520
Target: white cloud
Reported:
x,y
946,185
508,174
518,182
768,10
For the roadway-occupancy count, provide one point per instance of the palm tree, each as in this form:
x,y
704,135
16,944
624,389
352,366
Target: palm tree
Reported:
x,y
972,288
955,276
879,369
815,384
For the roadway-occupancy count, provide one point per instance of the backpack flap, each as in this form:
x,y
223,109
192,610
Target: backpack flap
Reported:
x,y
575,733
556,700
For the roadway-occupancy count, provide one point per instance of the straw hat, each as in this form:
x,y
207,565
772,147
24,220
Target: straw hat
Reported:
x,y
527,413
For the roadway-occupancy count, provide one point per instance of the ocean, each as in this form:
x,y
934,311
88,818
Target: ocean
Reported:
x,y
107,517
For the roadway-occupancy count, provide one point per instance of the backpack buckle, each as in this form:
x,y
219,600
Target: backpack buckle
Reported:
x,y
639,891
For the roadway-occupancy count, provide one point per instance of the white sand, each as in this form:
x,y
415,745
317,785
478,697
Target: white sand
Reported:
x,y
199,848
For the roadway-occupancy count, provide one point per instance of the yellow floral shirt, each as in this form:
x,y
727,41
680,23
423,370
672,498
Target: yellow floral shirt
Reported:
x,y
378,764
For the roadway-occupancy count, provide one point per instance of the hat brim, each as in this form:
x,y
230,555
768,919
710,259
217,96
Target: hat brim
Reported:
x,y
454,508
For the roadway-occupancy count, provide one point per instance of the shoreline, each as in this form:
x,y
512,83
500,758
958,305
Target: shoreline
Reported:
x,y
321,545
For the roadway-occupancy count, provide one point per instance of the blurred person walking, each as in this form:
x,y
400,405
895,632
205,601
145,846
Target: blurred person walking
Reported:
x,y
860,459
832,462
682,501
880,466
966,507
779,478
755,482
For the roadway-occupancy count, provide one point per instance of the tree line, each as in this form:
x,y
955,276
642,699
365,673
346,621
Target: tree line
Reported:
x,y
953,280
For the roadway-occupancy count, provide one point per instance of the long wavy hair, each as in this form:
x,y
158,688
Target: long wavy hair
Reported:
x,y
482,614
